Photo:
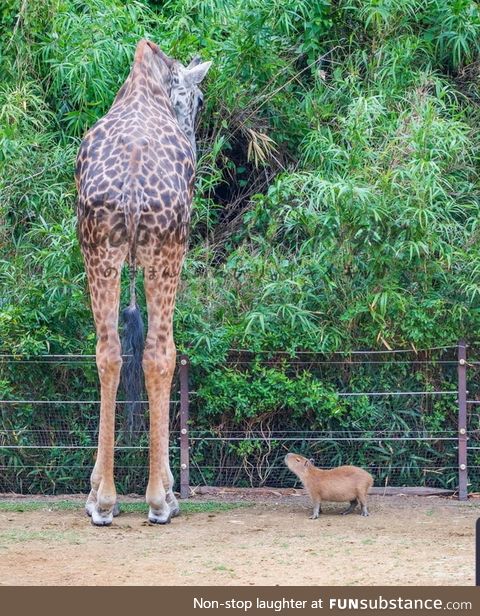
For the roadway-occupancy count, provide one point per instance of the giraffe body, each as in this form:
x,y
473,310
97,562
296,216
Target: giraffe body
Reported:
x,y
135,177
135,172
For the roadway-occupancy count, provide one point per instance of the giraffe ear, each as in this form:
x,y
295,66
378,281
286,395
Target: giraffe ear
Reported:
x,y
196,75
195,61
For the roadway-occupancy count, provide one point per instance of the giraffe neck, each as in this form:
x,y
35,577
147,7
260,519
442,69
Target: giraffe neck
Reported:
x,y
189,133
151,86
149,83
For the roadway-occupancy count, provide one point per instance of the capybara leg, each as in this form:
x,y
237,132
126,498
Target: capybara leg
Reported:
x,y
351,509
317,510
363,503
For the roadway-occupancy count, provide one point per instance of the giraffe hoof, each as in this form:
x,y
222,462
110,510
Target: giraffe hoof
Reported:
x,y
89,508
155,520
173,506
101,523
103,518
159,518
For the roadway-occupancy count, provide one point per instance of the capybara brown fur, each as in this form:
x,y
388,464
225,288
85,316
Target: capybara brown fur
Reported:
x,y
345,483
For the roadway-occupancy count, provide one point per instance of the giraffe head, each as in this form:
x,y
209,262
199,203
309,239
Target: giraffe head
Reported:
x,y
186,96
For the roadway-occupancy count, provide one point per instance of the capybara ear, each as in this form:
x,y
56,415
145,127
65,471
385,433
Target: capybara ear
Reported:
x,y
312,461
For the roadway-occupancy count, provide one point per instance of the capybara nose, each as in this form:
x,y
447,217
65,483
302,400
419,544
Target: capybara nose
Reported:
x,y
286,457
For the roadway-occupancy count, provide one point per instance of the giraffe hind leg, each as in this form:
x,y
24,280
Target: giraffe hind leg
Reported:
x,y
104,283
158,365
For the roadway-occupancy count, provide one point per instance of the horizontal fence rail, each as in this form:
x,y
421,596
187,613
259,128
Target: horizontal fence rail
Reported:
x,y
48,444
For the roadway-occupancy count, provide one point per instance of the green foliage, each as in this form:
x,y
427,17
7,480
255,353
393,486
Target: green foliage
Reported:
x,y
260,391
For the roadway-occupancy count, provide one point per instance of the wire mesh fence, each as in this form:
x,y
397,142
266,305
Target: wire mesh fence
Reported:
x,y
416,459
405,436
49,417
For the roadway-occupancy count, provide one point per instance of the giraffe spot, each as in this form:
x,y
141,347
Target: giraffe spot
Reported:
x,y
117,182
143,235
110,162
148,218
162,219
118,235
166,197
150,192
122,91
110,272
100,214
155,204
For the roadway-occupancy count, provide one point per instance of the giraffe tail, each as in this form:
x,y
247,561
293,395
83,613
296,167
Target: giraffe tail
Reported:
x,y
132,375
133,334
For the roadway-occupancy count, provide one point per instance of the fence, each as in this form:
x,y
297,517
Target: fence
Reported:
x,y
45,451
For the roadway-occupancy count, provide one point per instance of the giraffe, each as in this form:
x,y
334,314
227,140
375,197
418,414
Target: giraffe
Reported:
x,y
134,174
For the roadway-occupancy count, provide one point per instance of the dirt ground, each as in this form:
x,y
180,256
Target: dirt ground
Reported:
x,y
269,540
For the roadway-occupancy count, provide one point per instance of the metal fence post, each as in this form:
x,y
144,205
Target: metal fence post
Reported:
x,y
184,441
462,421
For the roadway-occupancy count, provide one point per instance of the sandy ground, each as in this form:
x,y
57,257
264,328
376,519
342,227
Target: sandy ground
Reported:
x,y
270,540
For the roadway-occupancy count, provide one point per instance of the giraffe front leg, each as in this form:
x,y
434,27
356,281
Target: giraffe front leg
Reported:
x,y
158,366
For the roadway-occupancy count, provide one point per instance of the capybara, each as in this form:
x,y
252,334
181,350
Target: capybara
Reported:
x,y
345,483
